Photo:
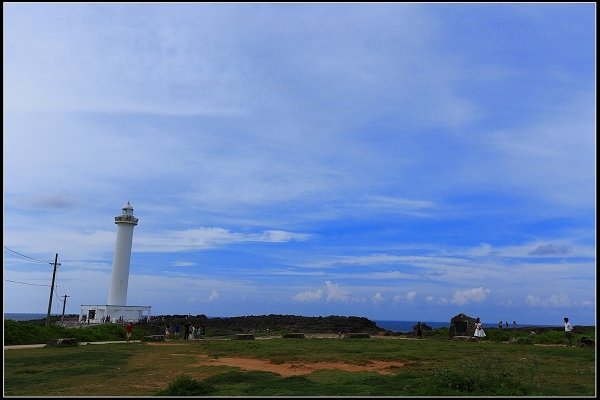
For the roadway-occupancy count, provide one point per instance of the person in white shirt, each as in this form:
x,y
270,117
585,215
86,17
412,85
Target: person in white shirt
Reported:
x,y
479,332
568,332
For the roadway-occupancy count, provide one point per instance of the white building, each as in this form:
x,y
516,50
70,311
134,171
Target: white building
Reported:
x,y
116,309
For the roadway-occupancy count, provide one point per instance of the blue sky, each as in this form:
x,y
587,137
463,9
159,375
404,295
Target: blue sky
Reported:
x,y
393,161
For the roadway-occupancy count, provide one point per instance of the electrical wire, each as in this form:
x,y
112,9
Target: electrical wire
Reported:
x,y
23,256
24,283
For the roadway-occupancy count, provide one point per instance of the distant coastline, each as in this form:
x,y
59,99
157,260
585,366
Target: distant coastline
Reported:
x,y
391,325
25,316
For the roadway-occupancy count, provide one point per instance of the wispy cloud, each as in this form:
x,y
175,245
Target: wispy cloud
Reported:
x,y
382,162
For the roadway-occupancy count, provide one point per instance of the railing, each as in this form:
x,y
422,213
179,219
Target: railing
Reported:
x,y
126,218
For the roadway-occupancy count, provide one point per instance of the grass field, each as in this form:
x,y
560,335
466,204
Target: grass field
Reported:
x,y
319,367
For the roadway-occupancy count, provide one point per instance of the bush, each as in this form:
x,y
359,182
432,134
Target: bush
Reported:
x,y
186,386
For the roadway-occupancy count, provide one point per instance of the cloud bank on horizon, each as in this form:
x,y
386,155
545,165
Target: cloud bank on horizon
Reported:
x,y
394,161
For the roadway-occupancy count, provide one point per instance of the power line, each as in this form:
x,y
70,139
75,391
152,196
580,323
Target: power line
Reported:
x,y
24,257
24,283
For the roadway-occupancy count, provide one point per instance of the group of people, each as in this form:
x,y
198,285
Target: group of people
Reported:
x,y
500,324
480,333
190,332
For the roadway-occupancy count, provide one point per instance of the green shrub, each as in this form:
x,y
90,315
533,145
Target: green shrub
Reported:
x,y
186,386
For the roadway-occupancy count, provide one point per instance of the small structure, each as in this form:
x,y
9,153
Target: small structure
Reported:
x,y
462,325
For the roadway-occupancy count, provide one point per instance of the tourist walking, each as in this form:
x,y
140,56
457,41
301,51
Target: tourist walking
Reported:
x,y
129,329
167,331
568,332
419,330
177,331
479,332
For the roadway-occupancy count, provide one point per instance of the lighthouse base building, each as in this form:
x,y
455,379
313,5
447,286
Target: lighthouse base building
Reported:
x,y
97,314
116,309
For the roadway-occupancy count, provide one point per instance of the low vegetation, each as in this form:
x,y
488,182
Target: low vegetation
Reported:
x,y
432,366
427,367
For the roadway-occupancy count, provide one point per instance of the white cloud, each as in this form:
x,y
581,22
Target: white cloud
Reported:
x,y
408,297
204,238
377,298
553,301
308,296
183,264
475,295
411,296
214,295
336,293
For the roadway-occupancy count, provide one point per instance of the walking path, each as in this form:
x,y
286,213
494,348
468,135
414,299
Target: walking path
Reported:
x,y
34,346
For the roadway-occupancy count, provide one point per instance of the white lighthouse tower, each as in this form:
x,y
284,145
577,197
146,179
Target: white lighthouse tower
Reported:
x,y
116,309
117,295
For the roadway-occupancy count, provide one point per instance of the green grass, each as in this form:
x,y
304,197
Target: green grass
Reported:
x,y
16,332
432,367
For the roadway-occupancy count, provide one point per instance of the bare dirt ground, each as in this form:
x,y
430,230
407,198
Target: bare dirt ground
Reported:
x,y
298,368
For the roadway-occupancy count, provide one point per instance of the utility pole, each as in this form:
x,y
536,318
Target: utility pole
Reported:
x,y
64,304
56,264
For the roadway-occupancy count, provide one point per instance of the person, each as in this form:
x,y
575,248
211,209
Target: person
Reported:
x,y
479,332
506,324
568,331
129,330
500,324
186,333
167,331
177,331
419,330
515,324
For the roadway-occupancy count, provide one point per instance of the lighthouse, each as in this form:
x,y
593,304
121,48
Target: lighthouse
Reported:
x,y
116,309
117,295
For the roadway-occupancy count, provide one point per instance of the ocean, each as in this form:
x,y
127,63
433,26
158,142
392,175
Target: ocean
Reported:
x,y
407,326
25,317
